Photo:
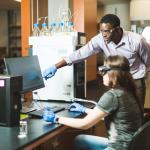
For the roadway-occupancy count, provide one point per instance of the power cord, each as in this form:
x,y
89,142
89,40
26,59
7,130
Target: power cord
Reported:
x,y
37,102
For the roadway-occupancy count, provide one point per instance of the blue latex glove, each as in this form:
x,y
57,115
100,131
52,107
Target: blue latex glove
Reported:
x,y
49,115
49,72
77,107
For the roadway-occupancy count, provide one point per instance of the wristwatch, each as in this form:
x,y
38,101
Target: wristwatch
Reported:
x,y
57,120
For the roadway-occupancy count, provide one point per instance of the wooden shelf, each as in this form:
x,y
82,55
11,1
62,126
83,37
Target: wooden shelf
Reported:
x,y
14,33
15,36
15,47
14,26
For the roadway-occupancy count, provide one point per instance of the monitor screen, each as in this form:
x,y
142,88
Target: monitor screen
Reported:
x,y
29,68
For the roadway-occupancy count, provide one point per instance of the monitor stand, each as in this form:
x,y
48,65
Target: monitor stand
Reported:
x,y
27,106
26,109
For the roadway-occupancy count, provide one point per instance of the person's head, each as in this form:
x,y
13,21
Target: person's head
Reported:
x,y
110,28
116,73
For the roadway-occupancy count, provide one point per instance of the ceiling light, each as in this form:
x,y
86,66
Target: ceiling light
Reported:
x,y
17,0
139,10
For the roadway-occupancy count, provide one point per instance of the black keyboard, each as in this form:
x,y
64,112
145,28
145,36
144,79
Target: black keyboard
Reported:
x,y
39,113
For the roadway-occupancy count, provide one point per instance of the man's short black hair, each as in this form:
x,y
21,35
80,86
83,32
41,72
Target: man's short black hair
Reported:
x,y
112,19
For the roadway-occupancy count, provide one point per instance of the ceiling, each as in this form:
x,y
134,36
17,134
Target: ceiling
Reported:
x,y
104,2
9,4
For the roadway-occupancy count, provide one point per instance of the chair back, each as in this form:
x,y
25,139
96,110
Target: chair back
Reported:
x,y
141,139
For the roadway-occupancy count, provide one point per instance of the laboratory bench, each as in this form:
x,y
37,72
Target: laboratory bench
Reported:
x,y
43,135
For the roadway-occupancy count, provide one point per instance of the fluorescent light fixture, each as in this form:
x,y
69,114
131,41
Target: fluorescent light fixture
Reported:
x,y
139,10
17,0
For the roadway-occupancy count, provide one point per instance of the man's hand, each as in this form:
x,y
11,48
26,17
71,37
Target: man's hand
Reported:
x,y
49,72
49,115
77,107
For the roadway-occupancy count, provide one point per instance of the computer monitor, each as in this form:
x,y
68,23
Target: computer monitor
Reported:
x,y
29,68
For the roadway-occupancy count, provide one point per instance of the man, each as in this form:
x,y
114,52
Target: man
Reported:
x,y
113,40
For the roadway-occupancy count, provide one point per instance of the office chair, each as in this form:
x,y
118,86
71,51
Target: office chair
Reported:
x,y
141,139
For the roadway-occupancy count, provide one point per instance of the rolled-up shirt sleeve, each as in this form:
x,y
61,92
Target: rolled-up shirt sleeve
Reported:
x,y
144,52
91,48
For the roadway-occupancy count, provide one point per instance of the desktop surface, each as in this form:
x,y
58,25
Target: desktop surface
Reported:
x,y
37,128
37,106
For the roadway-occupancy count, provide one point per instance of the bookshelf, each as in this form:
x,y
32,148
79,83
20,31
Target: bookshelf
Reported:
x,y
14,33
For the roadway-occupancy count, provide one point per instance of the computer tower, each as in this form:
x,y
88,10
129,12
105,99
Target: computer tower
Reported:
x,y
10,100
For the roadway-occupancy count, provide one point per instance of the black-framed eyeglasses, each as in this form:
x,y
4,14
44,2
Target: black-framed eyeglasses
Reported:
x,y
107,31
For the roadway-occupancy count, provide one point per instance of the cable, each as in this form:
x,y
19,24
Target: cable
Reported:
x,y
36,93
36,101
83,100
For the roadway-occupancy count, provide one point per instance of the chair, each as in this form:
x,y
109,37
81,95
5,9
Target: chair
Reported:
x,y
141,139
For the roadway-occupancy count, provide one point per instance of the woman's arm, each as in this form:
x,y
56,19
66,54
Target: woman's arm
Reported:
x,y
88,121
88,110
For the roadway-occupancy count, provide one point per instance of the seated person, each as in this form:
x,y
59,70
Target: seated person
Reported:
x,y
119,106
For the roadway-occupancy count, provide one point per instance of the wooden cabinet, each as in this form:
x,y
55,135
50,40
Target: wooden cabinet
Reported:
x,y
14,33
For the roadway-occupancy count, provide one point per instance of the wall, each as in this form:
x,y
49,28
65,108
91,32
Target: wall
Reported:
x,y
55,9
100,12
120,9
90,30
25,25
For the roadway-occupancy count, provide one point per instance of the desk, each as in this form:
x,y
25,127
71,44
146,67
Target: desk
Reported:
x,y
39,131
